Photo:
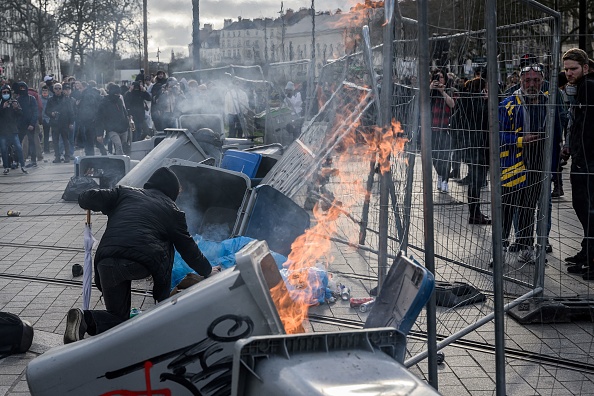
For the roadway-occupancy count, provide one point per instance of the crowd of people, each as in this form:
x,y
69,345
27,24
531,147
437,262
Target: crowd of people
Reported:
x,y
68,114
460,134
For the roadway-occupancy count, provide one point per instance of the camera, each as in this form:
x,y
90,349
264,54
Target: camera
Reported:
x,y
136,85
435,77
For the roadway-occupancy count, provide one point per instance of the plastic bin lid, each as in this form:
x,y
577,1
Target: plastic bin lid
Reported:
x,y
276,219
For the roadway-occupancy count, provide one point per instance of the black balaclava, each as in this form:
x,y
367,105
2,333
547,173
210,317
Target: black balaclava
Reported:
x,y
165,181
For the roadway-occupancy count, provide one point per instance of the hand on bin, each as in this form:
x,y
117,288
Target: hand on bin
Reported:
x,y
215,270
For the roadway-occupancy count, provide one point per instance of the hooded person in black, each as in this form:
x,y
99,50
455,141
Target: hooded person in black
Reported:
x,y
144,225
114,119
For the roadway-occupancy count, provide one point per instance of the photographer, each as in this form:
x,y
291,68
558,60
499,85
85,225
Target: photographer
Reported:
x,y
10,111
442,104
135,104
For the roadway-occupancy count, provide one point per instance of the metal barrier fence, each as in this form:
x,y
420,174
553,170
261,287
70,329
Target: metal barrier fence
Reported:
x,y
482,273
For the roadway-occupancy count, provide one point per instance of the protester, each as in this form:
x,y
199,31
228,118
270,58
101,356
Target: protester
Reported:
x,y
10,111
144,226
581,149
45,120
135,100
442,104
156,89
236,106
59,110
471,120
67,93
27,121
294,103
114,119
522,125
88,107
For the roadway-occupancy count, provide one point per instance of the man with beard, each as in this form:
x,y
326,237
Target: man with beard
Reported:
x,y
522,125
581,148
59,110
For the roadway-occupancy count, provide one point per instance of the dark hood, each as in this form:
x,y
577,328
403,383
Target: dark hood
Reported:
x,y
165,181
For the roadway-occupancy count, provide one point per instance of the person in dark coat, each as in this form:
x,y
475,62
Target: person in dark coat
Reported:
x,y
135,104
144,226
114,119
10,111
28,120
88,107
59,110
472,120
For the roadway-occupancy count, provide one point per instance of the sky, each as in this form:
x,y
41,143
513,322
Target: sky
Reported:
x,y
170,21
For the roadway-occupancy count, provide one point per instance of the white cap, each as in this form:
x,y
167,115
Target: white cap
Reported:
x,y
47,78
290,86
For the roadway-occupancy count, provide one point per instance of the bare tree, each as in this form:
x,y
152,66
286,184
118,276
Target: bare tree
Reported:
x,y
34,22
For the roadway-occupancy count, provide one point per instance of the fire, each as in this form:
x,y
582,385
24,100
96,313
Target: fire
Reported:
x,y
314,246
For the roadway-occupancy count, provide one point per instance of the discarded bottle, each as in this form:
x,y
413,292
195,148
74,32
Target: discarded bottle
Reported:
x,y
357,302
13,213
366,306
345,292
134,312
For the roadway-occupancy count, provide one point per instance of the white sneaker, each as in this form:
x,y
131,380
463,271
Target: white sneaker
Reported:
x,y
439,183
444,187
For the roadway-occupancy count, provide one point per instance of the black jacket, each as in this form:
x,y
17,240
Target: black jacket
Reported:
x,y
135,103
470,124
112,114
64,110
88,106
8,119
581,139
144,226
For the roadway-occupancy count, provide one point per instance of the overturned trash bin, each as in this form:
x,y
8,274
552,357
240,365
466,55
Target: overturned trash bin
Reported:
x,y
182,346
220,204
361,362
106,170
179,143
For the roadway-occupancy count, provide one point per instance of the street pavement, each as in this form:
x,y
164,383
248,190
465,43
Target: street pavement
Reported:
x,y
39,248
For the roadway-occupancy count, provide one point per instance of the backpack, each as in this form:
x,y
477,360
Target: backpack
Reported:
x,y
16,335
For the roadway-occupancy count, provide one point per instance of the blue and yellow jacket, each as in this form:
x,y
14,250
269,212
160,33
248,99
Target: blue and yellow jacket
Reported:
x,y
511,120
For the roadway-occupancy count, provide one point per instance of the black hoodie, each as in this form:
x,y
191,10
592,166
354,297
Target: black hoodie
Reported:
x,y
112,114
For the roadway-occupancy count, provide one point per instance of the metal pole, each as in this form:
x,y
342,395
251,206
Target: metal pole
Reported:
x,y
385,123
426,162
491,30
145,38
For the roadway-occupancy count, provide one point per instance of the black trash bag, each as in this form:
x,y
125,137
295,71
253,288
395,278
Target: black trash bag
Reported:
x,y
76,185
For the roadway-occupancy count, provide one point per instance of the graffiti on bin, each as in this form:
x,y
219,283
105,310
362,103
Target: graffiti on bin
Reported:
x,y
215,362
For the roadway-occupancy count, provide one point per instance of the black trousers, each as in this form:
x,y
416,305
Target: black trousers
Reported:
x,y
115,279
582,189
235,130
440,152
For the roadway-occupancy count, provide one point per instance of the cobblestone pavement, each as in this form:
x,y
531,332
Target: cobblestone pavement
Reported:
x,y
38,249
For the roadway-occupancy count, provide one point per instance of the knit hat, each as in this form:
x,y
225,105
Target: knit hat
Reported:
x,y
165,181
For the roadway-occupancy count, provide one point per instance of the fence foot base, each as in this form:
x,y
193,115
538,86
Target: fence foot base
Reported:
x,y
553,310
456,294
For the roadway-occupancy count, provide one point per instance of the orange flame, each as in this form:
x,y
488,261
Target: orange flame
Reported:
x,y
314,246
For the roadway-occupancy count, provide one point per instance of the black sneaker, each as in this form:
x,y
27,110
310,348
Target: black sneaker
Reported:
x,y
24,170
56,161
579,258
548,247
576,269
76,327
29,165
66,160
